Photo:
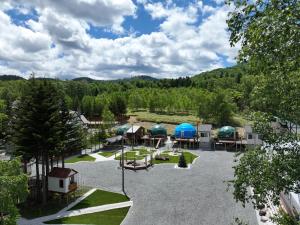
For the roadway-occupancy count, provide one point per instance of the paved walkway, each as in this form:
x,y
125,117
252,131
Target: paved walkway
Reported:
x,y
163,195
65,213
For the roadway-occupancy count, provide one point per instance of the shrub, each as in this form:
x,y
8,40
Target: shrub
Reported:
x,y
182,163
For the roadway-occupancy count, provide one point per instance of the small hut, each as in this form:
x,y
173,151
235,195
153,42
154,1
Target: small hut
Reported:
x,y
252,137
62,180
205,133
135,134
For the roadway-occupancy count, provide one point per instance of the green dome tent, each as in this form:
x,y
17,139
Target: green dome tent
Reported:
x,y
122,129
226,132
158,130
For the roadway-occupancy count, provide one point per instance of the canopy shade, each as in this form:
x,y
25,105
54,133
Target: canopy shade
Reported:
x,y
185,130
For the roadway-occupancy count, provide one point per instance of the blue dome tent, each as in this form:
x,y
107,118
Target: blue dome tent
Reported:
x,y
185,131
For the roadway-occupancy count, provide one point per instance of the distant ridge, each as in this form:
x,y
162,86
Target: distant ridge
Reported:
x,y
10,77
141,77
87,79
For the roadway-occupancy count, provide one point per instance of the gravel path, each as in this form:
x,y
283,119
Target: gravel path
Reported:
x,y
167,196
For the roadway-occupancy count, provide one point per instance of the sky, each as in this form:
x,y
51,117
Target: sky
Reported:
x,y
111,39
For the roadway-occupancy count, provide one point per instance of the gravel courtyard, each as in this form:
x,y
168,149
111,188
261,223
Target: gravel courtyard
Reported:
x,y
167,196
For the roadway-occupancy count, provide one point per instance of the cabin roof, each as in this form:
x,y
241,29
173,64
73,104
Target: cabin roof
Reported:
x,y
133,129
62,172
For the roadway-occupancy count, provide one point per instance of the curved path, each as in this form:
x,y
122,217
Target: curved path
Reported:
x,y
167,196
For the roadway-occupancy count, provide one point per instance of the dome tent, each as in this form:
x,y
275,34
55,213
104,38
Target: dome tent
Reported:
x,y
185,130
226,132
122,129
158,130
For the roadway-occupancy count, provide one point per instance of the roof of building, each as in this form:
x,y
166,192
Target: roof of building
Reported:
x,y
114,139
84,120
205,127
62,172
133,129
158,129
122,129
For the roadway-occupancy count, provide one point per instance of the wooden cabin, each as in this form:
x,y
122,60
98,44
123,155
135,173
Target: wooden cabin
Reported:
x,y
135,134
62,180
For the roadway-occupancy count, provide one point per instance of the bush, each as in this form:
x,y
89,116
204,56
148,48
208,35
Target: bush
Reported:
x,y
182,163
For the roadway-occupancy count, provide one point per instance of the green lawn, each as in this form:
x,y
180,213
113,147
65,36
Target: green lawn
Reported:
x,y
31,211
100,197
80,158
110,217
189,157
131,155
107,154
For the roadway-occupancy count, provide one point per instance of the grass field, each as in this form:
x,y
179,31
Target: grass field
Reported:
x,y
110,217
107,154
164,118
189,157
100,197
80,158
53,206
131,155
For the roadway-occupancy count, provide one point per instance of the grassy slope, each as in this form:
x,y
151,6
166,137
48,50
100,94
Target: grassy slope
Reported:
x,y
100,197
189,157
80,158
110,217
164,118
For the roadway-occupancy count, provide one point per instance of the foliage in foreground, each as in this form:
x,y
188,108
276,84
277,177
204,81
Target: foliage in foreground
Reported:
x,y
285,219
13,190
269,35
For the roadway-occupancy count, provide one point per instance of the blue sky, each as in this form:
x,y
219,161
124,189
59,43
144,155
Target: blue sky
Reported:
x,y
113,39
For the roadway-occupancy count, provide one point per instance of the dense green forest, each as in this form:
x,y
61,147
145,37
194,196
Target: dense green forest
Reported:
x,y
214,96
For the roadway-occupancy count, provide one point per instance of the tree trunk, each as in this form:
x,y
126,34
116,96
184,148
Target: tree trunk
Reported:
x,y
37,169
47,171
63,159
44,179
51,162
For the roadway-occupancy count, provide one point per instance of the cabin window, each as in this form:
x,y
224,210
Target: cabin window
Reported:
x,y
203,134
61,183
250,136
72,180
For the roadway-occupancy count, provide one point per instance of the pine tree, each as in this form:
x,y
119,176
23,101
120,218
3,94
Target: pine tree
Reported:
x,y
37,127
182,163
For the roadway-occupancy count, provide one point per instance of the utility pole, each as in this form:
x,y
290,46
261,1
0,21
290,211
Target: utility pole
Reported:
x,y
132,137
123,177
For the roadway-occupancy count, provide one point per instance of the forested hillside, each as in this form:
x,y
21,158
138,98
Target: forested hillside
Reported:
x,y
214,96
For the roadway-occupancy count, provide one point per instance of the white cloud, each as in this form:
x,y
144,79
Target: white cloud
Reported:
x,y
184,45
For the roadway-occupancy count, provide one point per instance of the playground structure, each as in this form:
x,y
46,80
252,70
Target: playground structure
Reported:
x,y
136,163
